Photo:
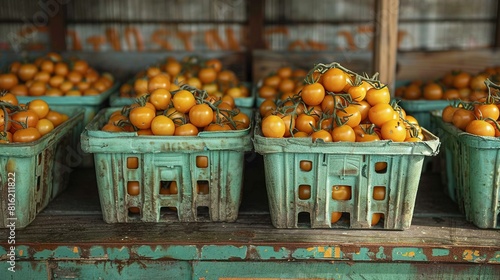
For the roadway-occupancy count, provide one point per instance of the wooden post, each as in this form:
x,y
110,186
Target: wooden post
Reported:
x,y
385,41
497,28
255,30
57,30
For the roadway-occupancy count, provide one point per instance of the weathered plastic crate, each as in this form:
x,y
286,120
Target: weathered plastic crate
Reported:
x,y
115,100
159,161
471,173
421,110
480,158
450,155
342,164
35,173
91,105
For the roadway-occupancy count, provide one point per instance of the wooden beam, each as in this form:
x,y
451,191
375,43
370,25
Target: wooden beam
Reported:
x,y
57,29
255,32
385,41
254,38
497,28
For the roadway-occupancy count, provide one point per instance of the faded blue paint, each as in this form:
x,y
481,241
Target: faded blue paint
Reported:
x,y
339,271
44,254
438,252
269,252
408,254
223,252
22,252
380,254
178,252
364,254
97,252
150,270
122,253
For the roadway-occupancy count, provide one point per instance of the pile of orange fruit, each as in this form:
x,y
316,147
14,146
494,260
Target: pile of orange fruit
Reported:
x,y
454,85
50,75
208,75
23,123
336,104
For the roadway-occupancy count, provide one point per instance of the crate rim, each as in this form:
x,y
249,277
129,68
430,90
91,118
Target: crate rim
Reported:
x,y
96,141
267,145
33,148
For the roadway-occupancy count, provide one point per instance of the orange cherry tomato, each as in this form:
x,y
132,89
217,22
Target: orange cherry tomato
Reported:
x,y
313,94
334,80
162,125
341,192
25,135
343,133
273,126
183,101
141,117
187,129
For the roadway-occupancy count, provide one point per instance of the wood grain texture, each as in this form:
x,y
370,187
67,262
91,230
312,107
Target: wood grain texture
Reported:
x,y
386,40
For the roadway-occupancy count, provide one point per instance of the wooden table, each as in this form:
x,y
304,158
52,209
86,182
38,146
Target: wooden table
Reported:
x,y
70,240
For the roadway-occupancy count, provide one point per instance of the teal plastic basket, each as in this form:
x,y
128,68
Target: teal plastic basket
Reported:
x,y
480,158
342,164
115,100
90,103
37,172
450,155
421,110
162,160
471,174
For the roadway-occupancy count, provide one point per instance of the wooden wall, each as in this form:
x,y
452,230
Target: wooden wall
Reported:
x,y
152,25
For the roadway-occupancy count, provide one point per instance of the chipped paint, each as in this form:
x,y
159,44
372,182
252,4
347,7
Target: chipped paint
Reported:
x,y
122,253
270,252
438,252
22,251
472,256
319,252
408,254
380,255
178,252
495,258
363,254
97,252
223,252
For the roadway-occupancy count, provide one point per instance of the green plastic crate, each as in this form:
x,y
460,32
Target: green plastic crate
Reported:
x,y
346,164
39,171
421,110
90,103
450,155
471,173
244,102
480,158
163,160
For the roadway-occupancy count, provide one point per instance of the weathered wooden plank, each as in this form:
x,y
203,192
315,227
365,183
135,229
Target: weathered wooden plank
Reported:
x,y
386,40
